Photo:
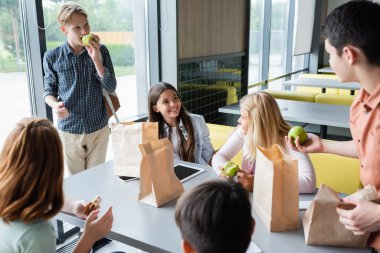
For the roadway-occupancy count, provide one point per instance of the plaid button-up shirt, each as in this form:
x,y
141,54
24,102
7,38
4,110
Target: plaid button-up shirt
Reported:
x,y
73,79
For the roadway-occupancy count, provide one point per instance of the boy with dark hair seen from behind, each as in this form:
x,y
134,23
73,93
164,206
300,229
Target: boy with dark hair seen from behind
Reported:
x,y
215,217
352,35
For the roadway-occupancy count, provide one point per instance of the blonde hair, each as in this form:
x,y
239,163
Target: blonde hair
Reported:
x,y
31,172
67,10
266,125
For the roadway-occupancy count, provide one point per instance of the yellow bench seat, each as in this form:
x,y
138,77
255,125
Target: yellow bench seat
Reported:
x,y
335,99
293,95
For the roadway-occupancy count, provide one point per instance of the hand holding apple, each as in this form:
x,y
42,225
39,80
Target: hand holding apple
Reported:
x,y
86,39
230,169
298,131
314,144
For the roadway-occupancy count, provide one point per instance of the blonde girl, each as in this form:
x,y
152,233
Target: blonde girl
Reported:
x,y
261,125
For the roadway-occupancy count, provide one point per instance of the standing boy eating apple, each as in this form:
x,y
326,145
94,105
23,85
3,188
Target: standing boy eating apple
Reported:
x,y
75,75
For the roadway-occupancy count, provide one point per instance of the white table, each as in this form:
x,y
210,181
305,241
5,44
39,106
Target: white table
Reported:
x,y
326,70
153,229
307,112
322,83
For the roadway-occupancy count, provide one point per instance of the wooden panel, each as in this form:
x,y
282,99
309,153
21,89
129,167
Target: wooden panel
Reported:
x,y
211,27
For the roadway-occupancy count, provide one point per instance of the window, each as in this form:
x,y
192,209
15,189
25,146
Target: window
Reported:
x,y
14,94
255,41
298,62
278,40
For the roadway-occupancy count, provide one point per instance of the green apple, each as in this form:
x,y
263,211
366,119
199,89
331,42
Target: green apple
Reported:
x,y
230,169
86,39
298,131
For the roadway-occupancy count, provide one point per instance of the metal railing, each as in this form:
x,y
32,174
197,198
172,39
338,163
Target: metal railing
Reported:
x,y
275,78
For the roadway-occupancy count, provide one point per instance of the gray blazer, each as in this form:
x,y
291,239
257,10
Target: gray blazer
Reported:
x,y
203,150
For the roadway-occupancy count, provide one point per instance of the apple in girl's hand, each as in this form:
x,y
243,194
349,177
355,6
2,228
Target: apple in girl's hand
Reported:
x,y
230,169
86,39
298,131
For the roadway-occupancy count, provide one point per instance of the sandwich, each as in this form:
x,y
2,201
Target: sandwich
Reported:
x,y
93,205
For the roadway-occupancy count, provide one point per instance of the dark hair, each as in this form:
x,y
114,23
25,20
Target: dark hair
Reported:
x,y
355,23
186,149
216,217
31,172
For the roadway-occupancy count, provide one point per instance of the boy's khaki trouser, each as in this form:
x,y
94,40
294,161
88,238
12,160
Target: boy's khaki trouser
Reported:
x,y
83,151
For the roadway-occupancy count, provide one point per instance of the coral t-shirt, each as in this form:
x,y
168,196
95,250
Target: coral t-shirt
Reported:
x,y
365,130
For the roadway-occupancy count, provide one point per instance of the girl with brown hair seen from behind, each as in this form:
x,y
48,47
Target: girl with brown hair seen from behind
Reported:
x,y
31,193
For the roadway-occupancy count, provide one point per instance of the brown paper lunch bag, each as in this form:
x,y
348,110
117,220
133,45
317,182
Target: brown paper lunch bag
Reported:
x,y
126,137
158,182
275,192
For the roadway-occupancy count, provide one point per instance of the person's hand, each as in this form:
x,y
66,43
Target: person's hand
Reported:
x,y
312,145
78,209
94,228
246,180
222,175
94,48
364,218
61,110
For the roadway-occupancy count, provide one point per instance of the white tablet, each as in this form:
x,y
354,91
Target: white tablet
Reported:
x,y
185,172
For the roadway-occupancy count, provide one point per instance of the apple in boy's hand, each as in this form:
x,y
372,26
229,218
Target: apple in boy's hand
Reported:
x,y
298,131
86,39
230,169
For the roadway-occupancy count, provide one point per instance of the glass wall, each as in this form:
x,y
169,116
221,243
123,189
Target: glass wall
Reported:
x,y
14,95
120,24
255,42
278,40
298,62
271,29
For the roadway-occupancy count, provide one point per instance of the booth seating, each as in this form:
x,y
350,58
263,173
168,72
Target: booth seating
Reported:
x,y
335,99
347,92
219,135
338,172
316,89
293,95
224,94
315,94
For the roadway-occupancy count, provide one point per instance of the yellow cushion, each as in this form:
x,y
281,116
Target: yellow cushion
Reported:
x,y
309,89
334,99
317,89
232,97
219,135
228,83
293,95
338,172
347,92
230,70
